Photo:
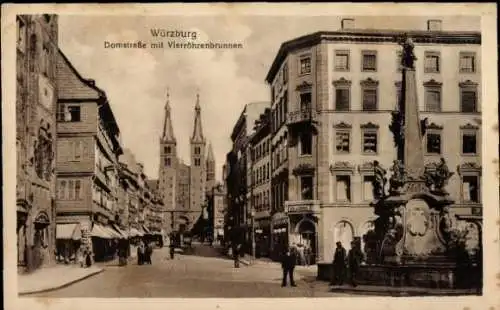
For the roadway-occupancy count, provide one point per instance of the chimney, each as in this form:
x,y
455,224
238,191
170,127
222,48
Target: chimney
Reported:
x,y
434,25
347,23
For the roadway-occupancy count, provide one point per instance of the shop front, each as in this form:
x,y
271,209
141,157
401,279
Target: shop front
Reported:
x,y
68,242
262,238
279,235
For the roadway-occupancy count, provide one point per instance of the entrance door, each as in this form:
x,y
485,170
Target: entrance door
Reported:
x,y
307,237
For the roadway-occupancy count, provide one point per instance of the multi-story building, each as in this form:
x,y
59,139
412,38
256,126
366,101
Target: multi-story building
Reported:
x,y
36,100
335,91
182,187
210,162
129,171
259,182
242,130
154,216
88,147
218,211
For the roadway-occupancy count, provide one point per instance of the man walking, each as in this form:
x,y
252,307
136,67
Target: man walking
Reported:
x,y
236,255
339,259
288,265
172,247
354,258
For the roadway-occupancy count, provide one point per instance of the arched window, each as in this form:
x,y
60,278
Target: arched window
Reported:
x,y
344,233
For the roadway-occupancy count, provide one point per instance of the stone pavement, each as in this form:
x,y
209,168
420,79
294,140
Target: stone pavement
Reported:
x,y
53,278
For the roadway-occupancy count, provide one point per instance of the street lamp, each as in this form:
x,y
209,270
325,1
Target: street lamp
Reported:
x,y
253,233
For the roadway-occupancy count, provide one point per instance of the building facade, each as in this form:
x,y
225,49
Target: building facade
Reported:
x,y
36,101
259,183
182,187
88,147
238,194
339,90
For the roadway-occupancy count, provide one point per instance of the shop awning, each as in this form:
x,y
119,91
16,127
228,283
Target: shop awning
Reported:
x,y
113,233
135,233
68,231
146,230
99,231
121,232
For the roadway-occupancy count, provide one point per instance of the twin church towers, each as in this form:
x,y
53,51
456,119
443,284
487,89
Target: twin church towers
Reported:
x,y
183,187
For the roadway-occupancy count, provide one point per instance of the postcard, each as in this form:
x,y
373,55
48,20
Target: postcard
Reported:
x,y
218,155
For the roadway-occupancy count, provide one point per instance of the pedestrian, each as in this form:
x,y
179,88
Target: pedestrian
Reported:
x,y
149,253
236,255
288,262
88,258
307,255
355,257
172,248
339,265
140,253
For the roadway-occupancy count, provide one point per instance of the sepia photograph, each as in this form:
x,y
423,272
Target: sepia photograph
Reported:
x,y
250,156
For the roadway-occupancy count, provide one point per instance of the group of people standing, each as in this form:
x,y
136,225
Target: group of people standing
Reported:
x,y
144,253
343,263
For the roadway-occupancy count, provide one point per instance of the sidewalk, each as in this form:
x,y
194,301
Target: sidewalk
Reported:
x,y
52,278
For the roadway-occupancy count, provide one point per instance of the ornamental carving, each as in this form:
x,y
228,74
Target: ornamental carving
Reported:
x,y
468,84
303,169
303,86
369,82
433,83
369,125
366,167
436,176
398,177
342,166
469,167
434,126
343,125
379,181
418,221
342,82
469,126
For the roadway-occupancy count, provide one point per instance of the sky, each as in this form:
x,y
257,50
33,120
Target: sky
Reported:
x,y
136,80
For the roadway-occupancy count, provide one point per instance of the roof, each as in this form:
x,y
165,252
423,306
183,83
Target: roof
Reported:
x,y
370,36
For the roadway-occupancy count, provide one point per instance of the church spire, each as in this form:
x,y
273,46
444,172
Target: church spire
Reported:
x,y
197,130
210,155
168,131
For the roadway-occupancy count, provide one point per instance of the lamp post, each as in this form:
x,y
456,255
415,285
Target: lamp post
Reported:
x,y
253,234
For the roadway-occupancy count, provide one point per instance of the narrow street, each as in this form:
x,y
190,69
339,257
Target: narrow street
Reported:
x,y
201,273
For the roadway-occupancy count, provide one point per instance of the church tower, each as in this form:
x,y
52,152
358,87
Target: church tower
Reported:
x,y
210,168
167,176
198,169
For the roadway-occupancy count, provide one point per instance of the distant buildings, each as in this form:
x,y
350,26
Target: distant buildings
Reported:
x,y
183,187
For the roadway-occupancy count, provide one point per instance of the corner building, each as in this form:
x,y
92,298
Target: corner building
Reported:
x,y
332,98
36,100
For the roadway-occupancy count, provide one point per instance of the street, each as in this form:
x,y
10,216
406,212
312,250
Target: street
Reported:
x,y
201,274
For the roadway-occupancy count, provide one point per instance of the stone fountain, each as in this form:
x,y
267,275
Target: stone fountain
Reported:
x,y
416,240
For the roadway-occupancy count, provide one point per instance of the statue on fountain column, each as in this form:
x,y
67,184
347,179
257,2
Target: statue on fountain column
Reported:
x,y
379,181
398,178
408,58
437,179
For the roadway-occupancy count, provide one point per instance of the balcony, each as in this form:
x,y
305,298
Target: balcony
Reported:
x,y
301,116
302,206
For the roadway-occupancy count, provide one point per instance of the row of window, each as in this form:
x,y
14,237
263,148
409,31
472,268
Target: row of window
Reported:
x,y
432,140
69,190
260,201
261,174
69,113
279,154
432,61
260,150
432,96
279,113
344,191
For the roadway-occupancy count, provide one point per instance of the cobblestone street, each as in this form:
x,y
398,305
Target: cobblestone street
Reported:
x,y
209,275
